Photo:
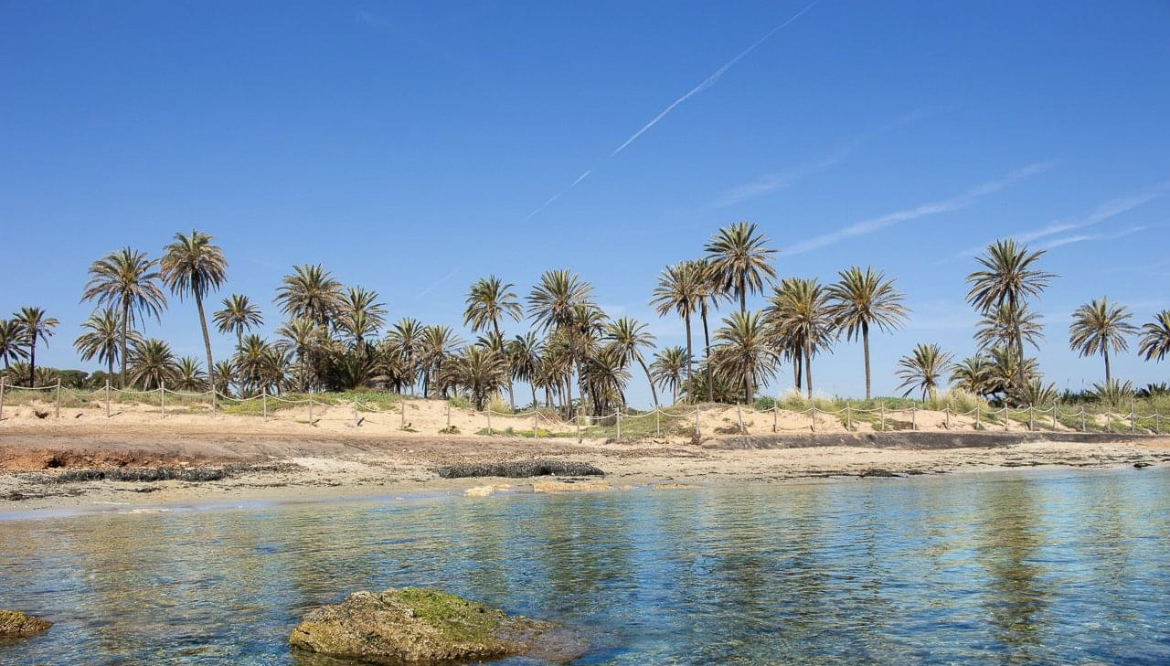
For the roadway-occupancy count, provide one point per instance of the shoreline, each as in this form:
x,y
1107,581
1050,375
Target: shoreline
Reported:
x,y
324,466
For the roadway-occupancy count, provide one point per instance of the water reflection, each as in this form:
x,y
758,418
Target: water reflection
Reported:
x,y
997,569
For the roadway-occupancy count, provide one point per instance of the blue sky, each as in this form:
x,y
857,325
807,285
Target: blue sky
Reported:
x,y
413,147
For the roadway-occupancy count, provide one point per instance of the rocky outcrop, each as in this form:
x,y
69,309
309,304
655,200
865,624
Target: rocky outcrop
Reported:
x,y
417,626
519,469
14,624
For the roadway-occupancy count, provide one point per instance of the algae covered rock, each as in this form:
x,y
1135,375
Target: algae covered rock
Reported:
x,y
14,624
415,626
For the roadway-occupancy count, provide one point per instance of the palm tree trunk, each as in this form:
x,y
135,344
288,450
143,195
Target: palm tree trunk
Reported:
x,y
690,386
865,347
797,361
742,296
748,381
707,352
808,368
206,345
125,333
650,380
32,362
1105,350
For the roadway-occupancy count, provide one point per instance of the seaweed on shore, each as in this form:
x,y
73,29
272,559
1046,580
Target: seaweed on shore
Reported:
x,y
519,469
162,473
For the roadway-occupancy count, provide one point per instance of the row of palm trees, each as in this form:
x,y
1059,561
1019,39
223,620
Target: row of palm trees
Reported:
x,y
336,337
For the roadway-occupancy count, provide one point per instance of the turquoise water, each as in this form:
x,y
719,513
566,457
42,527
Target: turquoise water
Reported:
x,y
1010,568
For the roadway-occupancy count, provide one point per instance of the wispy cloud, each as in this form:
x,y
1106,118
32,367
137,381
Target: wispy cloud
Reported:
x,y
781,180
1101,213
1080,238
959,202
440,281
713,79
558,195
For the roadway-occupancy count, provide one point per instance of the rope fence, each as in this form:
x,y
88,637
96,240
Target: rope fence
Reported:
x,y
392,410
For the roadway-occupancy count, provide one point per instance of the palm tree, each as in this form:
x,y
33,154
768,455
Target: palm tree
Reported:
x,y
223,375
554,303
101,338
667,369
480,371
310,292
152,364
252,362
973,375
361,316
304,338
999,327
126,280
1098,327
1155,337
523,352
37,325
488,301
630,336
740,261
708,298
861,300
193,265
801,323
239,315
743,355
681,289
603,378
12,339
188,375
923,369
1009,276
438,343
405,341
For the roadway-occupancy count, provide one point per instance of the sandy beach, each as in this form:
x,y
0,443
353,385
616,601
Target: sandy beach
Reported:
x,y
285,458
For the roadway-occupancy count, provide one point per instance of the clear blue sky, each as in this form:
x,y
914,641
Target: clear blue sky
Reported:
x,y
407,145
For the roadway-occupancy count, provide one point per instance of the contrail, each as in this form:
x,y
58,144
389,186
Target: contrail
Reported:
x,y
714,78
558,194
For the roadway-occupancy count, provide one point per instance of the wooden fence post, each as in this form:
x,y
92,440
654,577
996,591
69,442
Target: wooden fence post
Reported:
x,y
775,416
489,415
697,435
913,417
1031,418
264,402
947,410
402,417
883,418
978,415
1157,425
618,415
1132,413
107,398
739,417
535,423
310,409
57,408
1054,416
1109,422
657,422
162,398
577,420
1007,417
2,379
448,415
814,415
848,417
1082,418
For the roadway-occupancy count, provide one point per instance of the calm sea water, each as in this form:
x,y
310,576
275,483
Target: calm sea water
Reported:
x,y
1034,567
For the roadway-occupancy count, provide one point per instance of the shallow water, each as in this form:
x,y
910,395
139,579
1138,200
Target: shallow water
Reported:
x,y
1029,567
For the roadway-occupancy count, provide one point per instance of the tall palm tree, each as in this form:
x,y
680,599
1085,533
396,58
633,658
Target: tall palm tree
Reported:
x,y
126,280
223,376
12,342
1000,325
603,379
922,369
152,363
860,300
1156,337
667,369
973,375
801,323
559,299
438,344
253,358
188,375
681,288
361,316
239,315
310,292
741,261
37,325
743,355
1009,276
101,337
405,340
1098,327
480,371
489,300
708,298
524,360
629,337
192,265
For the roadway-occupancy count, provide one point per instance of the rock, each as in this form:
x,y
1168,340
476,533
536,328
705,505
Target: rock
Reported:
x,y
1142,465
486,491
416,626
879,473
14,624
566,487
519,469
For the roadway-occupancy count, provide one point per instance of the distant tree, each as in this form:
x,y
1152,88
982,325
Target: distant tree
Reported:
x,y
743,355
127,281
12,339
152,364
193,266
524,352
860,300
188,375
667,369
801,321
101,338
629,337
239,315
310,292
361,316
923,369
1156,337
740,261
481,372
1098,327
37,325
681,289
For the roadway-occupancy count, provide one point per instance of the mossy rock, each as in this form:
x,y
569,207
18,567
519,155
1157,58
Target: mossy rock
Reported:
x,y
415,626
14,624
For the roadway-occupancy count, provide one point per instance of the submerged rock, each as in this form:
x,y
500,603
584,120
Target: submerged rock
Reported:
x,y
879,473
417,626
14,624
519,469
1142,465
